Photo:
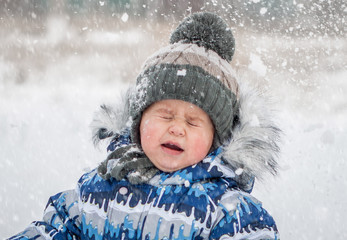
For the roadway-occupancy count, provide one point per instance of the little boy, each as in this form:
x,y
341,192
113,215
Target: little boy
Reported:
x,y
186,146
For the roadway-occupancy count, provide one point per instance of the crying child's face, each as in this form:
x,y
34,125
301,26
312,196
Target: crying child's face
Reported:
x,y
175,134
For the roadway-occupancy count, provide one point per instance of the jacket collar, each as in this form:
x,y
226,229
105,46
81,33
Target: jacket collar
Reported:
x,y
211,168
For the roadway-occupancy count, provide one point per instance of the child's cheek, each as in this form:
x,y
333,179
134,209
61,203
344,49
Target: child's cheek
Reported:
x,y
201,146
146,129
145,133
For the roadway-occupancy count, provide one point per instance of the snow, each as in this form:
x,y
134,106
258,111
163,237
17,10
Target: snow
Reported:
x,y
181,72
257,65
49,94
263,10
125,17
239,171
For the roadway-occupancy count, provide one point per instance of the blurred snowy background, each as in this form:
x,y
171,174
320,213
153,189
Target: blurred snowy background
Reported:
x,y
61,59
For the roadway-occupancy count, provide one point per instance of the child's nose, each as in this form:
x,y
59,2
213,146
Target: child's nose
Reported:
x,y
177,128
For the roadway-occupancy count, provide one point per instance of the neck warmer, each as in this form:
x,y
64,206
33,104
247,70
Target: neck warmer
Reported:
x,y
127,161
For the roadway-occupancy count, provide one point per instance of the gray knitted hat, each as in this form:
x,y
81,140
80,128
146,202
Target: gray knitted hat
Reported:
x,y
194,68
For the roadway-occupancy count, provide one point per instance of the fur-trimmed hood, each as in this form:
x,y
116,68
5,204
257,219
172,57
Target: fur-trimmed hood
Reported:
x,y
253,151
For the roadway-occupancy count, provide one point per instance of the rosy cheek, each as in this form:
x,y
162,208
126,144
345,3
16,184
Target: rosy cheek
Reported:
x,y
145,134
202,145
201,151
145,129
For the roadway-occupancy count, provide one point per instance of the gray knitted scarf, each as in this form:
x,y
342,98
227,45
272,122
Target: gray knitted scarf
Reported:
x,y
129,162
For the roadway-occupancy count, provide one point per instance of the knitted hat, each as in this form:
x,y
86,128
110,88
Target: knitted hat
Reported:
x,y
194,68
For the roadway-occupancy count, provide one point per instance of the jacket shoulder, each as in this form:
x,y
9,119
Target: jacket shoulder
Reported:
x,y
243,215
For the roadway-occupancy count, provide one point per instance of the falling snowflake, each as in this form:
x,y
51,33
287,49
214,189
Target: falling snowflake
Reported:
x,y
125,17
263,10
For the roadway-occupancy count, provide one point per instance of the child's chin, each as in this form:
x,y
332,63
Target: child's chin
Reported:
x,y
168,168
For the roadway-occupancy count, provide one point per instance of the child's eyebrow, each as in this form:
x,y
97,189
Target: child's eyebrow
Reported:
x,y
194,118
189,116
163,110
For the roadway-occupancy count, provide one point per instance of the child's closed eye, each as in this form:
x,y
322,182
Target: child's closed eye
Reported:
x,y
193,123
166,116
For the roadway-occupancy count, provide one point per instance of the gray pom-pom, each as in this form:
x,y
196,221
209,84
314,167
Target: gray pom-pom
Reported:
x,y
206,30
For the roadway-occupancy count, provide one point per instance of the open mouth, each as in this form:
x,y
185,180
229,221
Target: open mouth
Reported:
x,y
172,147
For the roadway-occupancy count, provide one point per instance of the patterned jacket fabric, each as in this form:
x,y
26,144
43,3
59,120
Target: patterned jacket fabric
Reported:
x,y
202,201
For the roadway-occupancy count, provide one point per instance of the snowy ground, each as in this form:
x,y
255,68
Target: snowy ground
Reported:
x,y
50,85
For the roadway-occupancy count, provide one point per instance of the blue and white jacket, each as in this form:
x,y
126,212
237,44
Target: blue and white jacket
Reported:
x,y
209,200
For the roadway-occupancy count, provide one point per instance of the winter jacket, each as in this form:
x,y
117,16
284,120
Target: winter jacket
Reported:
x,y
209,200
